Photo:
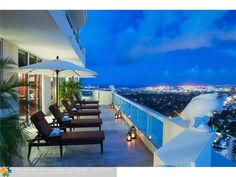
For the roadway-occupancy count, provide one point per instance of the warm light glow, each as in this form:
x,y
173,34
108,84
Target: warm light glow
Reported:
x,y
119,114
133,135
111,106
129,137
188,87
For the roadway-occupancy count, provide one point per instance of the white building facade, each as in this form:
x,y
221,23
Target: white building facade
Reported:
x,y
29,37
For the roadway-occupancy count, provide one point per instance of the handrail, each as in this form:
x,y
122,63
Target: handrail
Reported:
x,y
202,153
147,110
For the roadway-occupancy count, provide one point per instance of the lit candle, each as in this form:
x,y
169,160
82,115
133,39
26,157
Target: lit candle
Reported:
x,y
133,135
129,137
119,114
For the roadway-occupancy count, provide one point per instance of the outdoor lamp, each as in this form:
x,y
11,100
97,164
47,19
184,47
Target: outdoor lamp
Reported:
x,y
111,106
119,114
128,138
133,132
133,135
116,116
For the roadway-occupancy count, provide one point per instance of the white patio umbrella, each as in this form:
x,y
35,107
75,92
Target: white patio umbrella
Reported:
x,y
57,68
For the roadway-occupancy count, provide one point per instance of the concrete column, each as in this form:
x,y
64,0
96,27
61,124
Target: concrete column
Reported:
x,y
46,94
104,97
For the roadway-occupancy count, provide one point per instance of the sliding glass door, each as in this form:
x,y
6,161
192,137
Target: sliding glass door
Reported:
x,y
30,96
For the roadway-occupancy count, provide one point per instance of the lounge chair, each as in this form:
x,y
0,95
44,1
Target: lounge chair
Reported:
x,y
64,138
73,123
84,102
75,112
82,106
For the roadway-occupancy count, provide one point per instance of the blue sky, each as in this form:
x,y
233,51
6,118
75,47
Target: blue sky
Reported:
x,y
138,48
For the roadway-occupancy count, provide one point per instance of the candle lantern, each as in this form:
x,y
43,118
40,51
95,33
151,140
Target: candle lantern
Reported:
x,y
129,138
133,135
111,106
116,116
119,114
133,132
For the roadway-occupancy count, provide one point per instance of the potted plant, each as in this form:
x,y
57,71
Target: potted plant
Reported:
x,y
68,88
12,133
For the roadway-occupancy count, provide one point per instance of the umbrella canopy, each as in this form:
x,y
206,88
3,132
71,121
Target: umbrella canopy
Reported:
x,y
49,68
56,68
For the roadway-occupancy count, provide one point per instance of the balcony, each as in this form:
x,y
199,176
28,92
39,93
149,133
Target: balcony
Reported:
x,y
161,141
117,151
171,142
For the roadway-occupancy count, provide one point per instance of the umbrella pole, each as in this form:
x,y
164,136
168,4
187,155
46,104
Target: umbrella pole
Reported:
x,y
57,87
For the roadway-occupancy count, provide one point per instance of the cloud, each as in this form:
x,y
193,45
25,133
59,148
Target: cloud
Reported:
x,y
178,44
167,31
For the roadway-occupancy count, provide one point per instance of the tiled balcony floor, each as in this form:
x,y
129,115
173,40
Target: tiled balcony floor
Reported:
x,y
117,151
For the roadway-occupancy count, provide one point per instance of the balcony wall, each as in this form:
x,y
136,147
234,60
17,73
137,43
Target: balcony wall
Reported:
x,y
153,124
170,140
104,97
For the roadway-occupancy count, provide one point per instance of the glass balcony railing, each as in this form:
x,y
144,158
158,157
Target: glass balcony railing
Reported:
x,y
167,136
143,118
86,93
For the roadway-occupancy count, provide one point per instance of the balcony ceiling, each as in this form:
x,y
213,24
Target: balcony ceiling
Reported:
x,y
36,32
78,17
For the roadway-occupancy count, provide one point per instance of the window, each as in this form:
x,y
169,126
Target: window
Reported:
x,y
22,58
1,52
32,59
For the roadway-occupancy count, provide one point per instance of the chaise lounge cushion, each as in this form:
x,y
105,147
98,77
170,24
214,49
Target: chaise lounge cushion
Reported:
x,y
56,112
85,101
65,121
68,137
80,105
41,124
88,112
89,102
85,122
79,112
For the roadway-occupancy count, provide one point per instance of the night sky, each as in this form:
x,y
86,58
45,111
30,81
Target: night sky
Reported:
x,y
141,48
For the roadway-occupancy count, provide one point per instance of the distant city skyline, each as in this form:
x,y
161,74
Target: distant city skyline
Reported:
x,y
87,84
144,48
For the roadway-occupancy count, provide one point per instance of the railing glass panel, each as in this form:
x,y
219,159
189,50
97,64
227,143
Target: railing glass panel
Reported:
x,y
143,122
155,131
86,93
150,126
